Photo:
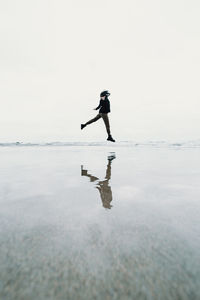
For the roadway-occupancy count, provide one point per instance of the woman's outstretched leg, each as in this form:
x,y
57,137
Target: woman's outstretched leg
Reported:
x,y
91,121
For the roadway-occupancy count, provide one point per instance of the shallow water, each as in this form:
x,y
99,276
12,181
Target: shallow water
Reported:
x,y
99,222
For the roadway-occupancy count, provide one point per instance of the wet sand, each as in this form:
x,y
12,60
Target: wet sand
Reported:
x,y
99,223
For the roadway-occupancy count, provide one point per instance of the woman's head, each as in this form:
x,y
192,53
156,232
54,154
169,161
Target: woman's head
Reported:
x,y
104,94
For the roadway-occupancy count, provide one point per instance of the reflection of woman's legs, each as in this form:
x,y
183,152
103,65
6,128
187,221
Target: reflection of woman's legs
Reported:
x,y
85,173
106,121
108,170
93,120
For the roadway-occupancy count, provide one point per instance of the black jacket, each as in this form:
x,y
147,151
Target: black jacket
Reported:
x,y
104,106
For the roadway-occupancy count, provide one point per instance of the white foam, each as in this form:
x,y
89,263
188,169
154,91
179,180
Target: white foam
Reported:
x,y
153,144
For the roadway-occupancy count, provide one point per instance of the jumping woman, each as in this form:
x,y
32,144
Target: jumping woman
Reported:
x,y
104,109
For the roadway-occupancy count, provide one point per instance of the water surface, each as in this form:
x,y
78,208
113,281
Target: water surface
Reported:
x,y
99,222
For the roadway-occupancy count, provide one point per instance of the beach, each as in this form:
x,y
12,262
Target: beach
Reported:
x,y
99,222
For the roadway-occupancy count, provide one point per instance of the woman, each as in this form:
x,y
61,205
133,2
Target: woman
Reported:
x,y
104,109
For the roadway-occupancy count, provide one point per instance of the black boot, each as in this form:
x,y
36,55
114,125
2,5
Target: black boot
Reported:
x,y
82,126
110,138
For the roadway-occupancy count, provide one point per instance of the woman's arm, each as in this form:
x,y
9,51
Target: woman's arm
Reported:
x,y
98,105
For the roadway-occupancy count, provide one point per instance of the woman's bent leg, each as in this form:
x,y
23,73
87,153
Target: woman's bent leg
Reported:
x,y
106,121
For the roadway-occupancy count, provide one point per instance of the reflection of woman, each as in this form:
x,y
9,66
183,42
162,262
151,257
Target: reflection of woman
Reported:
x,y
102,185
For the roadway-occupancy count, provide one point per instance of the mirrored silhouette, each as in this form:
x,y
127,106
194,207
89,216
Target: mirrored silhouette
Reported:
x,y
102,185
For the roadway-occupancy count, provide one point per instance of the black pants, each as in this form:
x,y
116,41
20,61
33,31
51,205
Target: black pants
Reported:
x,y
104,117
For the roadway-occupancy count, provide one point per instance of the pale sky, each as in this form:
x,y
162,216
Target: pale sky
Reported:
x,y
56,56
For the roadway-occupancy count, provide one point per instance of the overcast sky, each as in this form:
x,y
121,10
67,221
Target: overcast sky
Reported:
x,y
56,56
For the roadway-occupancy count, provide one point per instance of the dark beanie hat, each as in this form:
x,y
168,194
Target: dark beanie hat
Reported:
x,y
104,93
